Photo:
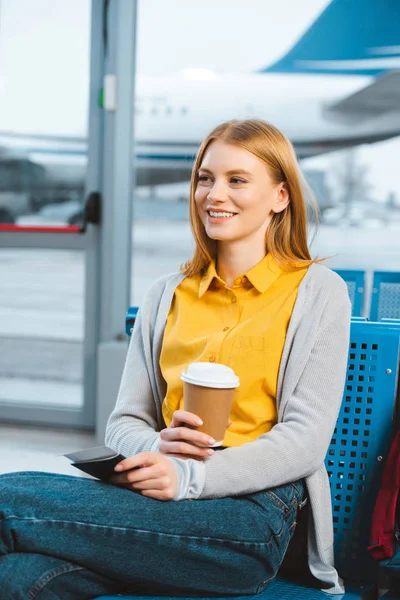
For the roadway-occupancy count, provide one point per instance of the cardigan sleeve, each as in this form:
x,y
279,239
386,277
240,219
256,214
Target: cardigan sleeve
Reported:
x,y
132,425
296,446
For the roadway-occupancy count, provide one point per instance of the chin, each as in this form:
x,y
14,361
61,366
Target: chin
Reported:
x,y
218,237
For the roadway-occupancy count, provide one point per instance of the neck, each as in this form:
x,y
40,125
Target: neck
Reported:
x,y
236,259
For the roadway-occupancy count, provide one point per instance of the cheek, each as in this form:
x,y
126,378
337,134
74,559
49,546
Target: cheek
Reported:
x,y
199,196
248,200
263,203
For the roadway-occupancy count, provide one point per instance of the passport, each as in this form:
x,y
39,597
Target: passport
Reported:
x,y
98,461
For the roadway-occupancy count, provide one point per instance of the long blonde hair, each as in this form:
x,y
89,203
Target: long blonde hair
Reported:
x,y
286,236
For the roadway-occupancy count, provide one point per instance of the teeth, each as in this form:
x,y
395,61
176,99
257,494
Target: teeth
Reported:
x,y
221,214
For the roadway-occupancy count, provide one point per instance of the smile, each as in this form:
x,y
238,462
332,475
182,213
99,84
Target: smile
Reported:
x,y
220,215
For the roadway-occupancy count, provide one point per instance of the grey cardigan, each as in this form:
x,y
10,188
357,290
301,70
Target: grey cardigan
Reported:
x,y
310,388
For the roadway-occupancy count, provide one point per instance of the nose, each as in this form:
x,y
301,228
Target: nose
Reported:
x,y
218,192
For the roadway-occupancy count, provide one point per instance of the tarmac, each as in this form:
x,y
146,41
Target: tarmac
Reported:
x,y
42,299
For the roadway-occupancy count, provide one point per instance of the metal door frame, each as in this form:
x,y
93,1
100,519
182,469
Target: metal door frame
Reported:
x,y
107,246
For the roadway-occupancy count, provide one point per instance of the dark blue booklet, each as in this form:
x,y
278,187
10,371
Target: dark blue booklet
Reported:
x,y
98,462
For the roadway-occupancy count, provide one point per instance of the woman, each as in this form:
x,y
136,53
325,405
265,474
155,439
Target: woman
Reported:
x,y
251,298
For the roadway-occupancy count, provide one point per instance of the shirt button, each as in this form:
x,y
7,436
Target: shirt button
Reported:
x,y
212,358
233,300
225,329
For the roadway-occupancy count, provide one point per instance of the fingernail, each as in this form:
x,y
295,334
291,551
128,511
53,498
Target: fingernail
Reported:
x,y
118,468
210,452
212,441
199,422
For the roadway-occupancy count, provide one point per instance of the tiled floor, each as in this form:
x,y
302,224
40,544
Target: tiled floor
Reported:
x,y
28,448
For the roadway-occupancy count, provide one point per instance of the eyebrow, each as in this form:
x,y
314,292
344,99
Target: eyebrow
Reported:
x,y
231,172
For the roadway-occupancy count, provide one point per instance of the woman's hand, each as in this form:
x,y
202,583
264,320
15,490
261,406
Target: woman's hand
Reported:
x,y
179,438
150,473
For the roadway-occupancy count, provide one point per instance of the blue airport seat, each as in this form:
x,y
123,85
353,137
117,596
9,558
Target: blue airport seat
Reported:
x,y
391,321
385,300
355,281
358,319
278,589
130,319
354,462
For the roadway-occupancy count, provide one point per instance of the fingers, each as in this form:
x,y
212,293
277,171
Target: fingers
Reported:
x,y
186,449
182,440
157,468
151,484
156,477
186,456
155,490
139,460
186,435
135,475
181,417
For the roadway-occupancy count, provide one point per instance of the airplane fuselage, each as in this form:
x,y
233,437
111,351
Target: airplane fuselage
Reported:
x,y
173,115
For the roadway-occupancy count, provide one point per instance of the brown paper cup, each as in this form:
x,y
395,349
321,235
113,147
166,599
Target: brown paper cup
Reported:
x,y
208,391
212,405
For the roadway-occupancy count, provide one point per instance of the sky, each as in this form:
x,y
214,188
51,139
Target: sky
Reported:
x,y
44,58
221,35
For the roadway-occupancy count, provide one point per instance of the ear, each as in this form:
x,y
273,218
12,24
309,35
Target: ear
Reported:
x,y
283,198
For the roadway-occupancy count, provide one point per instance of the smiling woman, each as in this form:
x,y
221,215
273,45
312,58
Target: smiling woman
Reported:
x,y
247,197
252,298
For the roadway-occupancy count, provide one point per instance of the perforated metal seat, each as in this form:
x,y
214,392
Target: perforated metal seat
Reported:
x,y
278,589
355,281
354,462
385,300
361,442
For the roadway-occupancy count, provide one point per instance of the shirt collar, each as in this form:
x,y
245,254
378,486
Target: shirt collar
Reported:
x,y
208,277
264,273
261,276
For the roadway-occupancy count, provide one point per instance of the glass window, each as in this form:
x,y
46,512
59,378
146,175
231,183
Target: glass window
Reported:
x,y
224,60
44,83
41,327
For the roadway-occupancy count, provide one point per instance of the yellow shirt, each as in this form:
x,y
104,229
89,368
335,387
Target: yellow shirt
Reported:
x,y
243,327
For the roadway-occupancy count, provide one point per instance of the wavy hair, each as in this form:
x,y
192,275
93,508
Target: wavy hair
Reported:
x,y
286,235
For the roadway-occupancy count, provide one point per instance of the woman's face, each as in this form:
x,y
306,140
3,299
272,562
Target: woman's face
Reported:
x,y
235,195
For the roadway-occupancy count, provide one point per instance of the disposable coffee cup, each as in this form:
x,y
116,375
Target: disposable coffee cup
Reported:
x,y
208,390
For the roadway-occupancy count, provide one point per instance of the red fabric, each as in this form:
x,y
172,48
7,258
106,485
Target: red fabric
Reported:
x,y
35,229
384,515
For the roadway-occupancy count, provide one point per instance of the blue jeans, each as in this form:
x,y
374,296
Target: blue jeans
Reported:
x,y
69,538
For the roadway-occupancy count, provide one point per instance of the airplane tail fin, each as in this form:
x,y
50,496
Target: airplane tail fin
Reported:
x,y
355,37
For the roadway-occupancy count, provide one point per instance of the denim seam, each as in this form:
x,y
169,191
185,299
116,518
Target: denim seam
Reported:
x,y
300,492
150,531
277,501
49,576
264,583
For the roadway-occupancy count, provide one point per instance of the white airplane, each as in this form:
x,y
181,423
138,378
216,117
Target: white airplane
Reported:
x,y
338,86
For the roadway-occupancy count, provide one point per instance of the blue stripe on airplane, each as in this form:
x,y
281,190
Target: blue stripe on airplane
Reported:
x,y
355,37
165,157
48,151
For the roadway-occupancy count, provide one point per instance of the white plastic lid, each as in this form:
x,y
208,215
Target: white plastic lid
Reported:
x,y
210,375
